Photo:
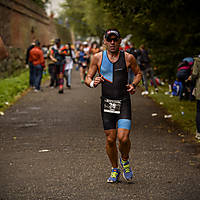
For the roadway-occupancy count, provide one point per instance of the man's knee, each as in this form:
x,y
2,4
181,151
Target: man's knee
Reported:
x,y
123,136
110,137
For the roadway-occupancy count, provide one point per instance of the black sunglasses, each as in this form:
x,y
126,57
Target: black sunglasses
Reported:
x,y
112,39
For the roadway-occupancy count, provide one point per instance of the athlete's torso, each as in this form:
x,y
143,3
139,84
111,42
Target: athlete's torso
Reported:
x,y
115,77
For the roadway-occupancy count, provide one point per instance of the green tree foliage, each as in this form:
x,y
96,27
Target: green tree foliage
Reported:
x,y
74,12
169,28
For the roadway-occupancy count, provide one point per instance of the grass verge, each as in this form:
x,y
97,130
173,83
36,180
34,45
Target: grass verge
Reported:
x,y
183,112
12,89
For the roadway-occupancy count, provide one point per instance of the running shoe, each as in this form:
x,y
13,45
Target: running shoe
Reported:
x,y
127,172
60,91
114,176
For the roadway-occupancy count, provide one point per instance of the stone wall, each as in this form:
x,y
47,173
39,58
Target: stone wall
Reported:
x,y
22,21
14,64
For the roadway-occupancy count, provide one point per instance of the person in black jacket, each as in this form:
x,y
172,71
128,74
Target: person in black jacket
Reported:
x,y
132,51
143,60
30,65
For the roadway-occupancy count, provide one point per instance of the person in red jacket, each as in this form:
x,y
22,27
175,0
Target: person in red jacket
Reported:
x,y
37,59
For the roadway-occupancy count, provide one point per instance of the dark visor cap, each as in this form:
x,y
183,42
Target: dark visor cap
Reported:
x,y
112,32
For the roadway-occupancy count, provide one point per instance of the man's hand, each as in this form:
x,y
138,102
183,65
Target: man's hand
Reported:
x,y
54,60
189,79
131,88
98,80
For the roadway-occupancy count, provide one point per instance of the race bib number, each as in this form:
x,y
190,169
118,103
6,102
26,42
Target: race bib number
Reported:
x,y
112,106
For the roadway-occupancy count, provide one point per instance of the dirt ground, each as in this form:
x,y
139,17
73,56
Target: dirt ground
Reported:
x,y
52,146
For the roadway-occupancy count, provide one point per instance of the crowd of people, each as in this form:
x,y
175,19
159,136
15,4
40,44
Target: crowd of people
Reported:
x,y
59,59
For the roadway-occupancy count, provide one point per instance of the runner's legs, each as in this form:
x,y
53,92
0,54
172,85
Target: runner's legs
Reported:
x,y
111,147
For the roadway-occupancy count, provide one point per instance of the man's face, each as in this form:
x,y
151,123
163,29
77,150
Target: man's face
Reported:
x,y
112,43
58,44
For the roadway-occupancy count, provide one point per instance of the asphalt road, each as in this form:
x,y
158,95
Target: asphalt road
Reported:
x,y
52,146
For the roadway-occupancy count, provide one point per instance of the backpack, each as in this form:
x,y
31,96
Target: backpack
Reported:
x,y
176,88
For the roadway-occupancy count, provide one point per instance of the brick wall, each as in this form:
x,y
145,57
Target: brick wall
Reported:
x,y
21,21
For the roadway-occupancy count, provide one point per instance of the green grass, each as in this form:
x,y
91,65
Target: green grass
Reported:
x,y
12,88
183,112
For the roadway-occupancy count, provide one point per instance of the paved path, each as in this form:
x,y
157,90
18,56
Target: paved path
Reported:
x,y
53,147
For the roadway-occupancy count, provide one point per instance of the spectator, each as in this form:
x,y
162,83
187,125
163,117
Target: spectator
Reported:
x,y
29,65
183,72
196,76
143,59
37,59
131,49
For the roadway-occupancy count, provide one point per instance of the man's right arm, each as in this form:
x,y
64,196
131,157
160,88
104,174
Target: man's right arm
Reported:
x,y
92,71
51,55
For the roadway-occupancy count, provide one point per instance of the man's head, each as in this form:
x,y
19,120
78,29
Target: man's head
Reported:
x,y
37,43
112,40
57,41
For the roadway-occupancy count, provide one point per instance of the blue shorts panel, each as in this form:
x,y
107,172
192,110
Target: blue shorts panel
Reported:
x,y
124,123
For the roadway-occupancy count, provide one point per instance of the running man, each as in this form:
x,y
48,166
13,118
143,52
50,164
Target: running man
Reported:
x,y
58,60
112,65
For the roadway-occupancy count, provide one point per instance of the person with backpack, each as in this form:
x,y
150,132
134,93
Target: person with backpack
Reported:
x,y
143,60
59,61
69,61
183,72
52,68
